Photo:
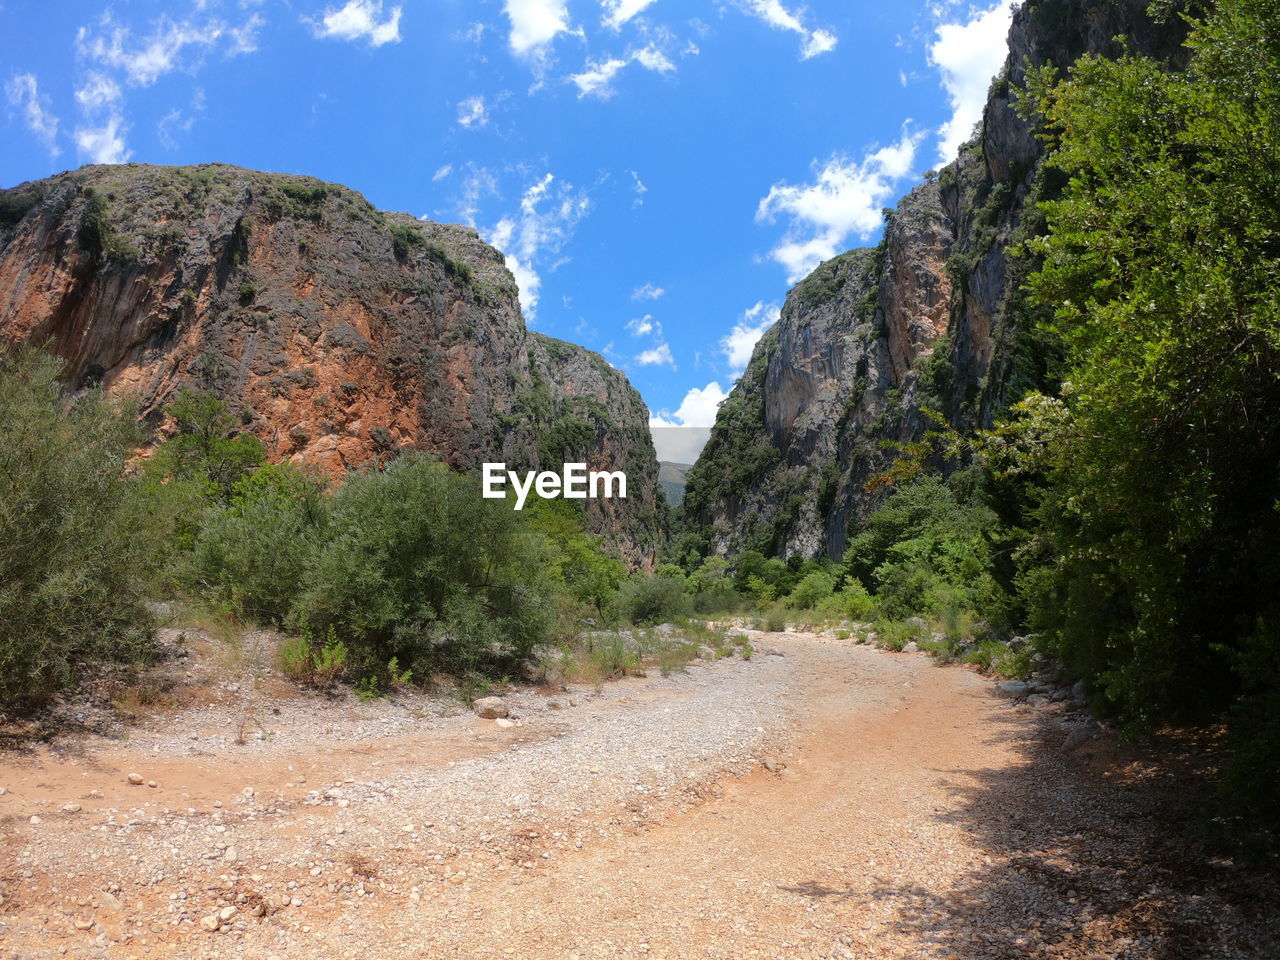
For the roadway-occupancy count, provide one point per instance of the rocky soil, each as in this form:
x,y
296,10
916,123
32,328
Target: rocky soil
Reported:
x,y
821,800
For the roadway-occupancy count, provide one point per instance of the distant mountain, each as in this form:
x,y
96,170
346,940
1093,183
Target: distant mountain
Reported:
x,y
339,333
671,478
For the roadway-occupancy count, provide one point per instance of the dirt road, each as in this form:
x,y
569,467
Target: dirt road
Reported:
x,y
832,801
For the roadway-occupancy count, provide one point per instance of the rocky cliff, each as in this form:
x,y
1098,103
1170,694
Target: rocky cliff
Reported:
x,y
933,318
340,333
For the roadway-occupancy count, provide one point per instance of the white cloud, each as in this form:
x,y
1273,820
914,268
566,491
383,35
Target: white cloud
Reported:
x,y
649,291
618,12
549,211
24,92
535,23
144,61
967,56
772,12
698,409
659,356
845,201
818,42
641,326
98,91
472,112
741,340
597,79
442,172
104,144
361,20
177,122
679,437
638,187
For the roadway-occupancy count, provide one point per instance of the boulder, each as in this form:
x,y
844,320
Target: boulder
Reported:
x,y
491,708
1014,689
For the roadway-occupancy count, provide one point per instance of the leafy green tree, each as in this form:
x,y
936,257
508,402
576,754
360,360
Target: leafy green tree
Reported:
x,y
207,448
73,557
1160,508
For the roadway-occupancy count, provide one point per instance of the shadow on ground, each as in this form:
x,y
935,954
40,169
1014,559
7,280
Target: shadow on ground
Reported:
x,y
1101,854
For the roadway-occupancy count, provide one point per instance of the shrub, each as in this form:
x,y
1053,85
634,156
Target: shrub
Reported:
x,y
252,553
653,600
72,559
417,565
775,620
811,591
850,602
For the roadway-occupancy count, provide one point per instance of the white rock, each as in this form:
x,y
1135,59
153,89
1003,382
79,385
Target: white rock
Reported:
x,y
136,779
226,913
210,923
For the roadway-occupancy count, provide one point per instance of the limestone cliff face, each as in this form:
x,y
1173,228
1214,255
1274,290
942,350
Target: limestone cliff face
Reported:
x,y
933,317
340,333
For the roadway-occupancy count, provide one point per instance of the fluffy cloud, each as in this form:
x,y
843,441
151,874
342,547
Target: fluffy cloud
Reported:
x,y
698,409
967,56
105,143
845,201
618,12
361,20
641,326
658,356
549,211
472,112
24,92
679,437
535,23
772,12
597,79
649,291
741,340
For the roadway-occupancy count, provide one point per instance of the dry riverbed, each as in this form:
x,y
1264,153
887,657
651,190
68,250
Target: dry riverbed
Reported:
x,y
823,800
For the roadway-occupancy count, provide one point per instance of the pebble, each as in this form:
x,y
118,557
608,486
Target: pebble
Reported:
x,y
136,779
226,913
71,808
210,923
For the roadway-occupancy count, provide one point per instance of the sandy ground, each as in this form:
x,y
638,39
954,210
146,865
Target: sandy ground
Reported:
x,y
831,801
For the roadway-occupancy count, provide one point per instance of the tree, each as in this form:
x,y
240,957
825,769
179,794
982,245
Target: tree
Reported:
x,y
1161,502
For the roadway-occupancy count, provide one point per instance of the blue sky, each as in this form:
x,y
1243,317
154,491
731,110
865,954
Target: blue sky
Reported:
x,y
658,172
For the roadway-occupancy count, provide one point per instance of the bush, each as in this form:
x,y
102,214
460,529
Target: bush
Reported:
x,y
252,553
416,565
850,602
775,620
811,591
654,600
72,558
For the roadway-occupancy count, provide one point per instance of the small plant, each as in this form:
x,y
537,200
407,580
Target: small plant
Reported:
x,y
303,664
398,677
775,620
367,690
248,292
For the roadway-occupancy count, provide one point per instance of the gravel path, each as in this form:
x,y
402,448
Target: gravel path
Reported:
x,y
832,801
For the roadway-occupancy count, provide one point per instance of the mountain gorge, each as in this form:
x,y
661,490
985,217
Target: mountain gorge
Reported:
x,y
340,334
932,319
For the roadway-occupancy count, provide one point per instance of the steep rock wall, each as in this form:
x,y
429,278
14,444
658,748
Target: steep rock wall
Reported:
x,y
339,332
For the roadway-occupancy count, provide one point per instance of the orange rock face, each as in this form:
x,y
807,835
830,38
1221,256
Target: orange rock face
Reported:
x,y
341,333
